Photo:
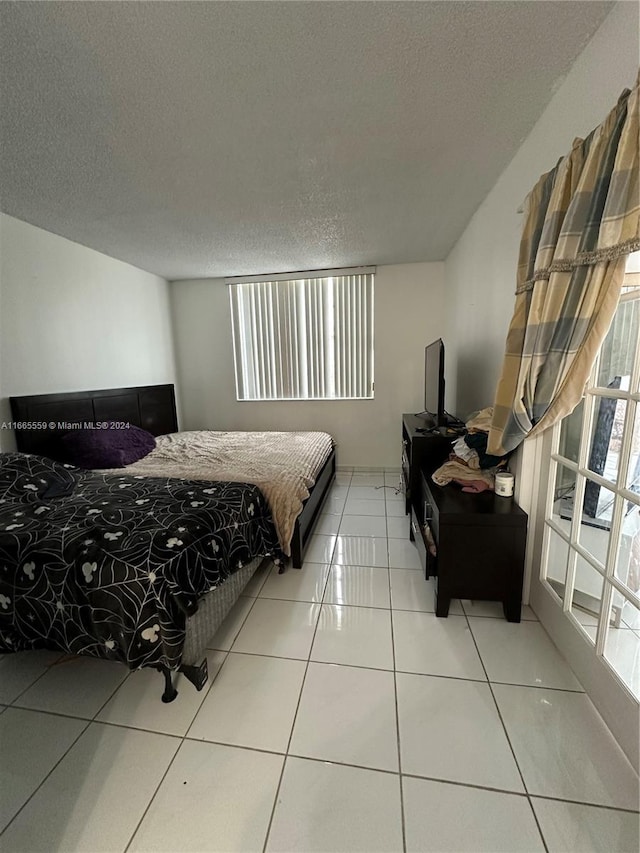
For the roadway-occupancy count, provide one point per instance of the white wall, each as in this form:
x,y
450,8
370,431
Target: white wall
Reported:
x,y
481,269
72,319
409,314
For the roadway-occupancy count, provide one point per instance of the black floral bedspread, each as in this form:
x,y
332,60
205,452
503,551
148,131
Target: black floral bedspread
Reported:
x,y
111,565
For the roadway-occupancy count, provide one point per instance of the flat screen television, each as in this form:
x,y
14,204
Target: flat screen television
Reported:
x,y
434,383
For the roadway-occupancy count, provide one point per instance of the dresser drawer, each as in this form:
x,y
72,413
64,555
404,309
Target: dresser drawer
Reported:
x,y
421,535
416,533
430,514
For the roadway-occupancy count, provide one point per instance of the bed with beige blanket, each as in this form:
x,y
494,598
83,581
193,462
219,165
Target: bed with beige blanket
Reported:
x,y
284,465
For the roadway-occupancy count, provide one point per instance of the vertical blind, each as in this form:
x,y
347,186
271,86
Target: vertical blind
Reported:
x,y
303,339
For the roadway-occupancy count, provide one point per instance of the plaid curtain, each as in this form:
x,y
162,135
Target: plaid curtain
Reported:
x,y
582,219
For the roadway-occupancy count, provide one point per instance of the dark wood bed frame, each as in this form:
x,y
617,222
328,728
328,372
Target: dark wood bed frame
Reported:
x,y
43,418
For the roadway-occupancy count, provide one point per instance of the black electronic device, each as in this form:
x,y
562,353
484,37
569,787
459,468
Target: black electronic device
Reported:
x,y
434,383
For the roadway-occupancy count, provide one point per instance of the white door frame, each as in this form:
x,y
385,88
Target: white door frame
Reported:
x,y
618,708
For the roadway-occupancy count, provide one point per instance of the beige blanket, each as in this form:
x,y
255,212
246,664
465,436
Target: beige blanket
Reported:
x,y
283,464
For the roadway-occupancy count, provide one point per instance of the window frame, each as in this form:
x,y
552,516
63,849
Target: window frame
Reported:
x,y
622,495
311,328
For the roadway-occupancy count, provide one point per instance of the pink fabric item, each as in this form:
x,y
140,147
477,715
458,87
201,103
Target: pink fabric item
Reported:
x,y
474,486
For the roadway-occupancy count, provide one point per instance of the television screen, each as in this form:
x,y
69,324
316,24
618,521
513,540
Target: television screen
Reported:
x,y
434,382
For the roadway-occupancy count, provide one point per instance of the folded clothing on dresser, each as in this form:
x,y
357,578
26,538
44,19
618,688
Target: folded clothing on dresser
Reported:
x,y
469,464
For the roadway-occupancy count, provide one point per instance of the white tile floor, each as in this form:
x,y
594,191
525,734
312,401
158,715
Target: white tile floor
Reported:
x,y
340,715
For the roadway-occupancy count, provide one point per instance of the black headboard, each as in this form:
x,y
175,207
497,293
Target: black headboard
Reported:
x,y
152,407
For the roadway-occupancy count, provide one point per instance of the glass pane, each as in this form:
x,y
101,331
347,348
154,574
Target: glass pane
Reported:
x,y
628,557
595,525
598,503
622,645
633,475
556,568
618,350
630,616
570,433
563,492
587,595
606,437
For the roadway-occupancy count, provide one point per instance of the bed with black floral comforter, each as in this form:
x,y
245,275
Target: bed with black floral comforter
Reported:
x,y
111,565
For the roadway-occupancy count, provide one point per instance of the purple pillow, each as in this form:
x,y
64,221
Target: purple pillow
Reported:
x,y
106,448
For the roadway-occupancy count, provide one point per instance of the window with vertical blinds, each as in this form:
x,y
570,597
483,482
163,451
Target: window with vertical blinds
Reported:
x,y
304,338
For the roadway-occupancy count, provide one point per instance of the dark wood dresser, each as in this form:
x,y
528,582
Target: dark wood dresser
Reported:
x,y
422,451
480,542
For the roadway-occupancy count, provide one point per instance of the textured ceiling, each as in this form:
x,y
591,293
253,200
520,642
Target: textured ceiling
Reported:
x,y
205,139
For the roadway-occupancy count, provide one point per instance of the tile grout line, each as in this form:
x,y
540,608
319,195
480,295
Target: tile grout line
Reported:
x,y
153,796
459,784
383,669
35,791
582,803
523,794
295,715
395,693
178,748
227,652
506,733
47,668
400,609
417,776
284,763
594,805
183,738
89,722
338,763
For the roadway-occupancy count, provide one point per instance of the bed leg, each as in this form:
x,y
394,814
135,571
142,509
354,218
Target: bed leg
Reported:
x,y
296,547
197,675
170,691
